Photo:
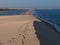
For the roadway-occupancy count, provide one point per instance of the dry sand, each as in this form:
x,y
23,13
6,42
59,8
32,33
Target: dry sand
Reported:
x,y
18,30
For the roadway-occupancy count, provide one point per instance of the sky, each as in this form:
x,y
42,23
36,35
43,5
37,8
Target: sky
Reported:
x,y
30,4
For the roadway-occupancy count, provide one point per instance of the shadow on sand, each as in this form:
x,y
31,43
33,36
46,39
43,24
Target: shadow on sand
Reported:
x,y
46,34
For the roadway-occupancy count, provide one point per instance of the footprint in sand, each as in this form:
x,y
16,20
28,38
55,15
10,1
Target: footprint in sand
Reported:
x,y
1,43
23,36
22,41
10,41
13,38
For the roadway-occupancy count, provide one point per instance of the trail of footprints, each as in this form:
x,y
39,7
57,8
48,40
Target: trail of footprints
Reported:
x,y
20,34
22,40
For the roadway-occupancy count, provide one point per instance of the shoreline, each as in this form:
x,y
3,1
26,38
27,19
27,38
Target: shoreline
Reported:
x,y
28,13
27,30
49,23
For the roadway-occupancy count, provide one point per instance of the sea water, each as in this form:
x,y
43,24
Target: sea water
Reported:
x,y
13,12
51,16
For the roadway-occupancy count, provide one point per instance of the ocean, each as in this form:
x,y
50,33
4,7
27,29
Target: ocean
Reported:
x,y
13,12
51,16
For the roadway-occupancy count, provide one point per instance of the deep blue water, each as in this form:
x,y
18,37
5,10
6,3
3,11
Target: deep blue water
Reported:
x,y
51,16
13,12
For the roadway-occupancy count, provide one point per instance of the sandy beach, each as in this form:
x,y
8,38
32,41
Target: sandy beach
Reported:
x,y
17,30
26,30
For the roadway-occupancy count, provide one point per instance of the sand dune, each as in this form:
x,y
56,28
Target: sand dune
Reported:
x,y
18,30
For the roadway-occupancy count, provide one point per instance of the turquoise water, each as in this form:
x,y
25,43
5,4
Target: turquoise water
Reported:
x,y
51,16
